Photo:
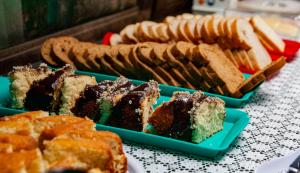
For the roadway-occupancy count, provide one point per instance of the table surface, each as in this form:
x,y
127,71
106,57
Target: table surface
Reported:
x,y
273,131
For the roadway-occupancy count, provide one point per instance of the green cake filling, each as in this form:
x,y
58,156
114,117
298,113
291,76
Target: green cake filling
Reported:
x,y
206,119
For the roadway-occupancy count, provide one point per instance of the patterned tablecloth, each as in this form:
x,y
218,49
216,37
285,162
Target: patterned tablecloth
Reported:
x,y
273,131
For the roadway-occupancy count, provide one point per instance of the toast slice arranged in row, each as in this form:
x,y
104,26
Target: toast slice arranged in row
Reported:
x,y
235,33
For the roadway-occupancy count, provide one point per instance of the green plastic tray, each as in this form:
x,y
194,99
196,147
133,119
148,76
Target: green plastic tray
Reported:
x,y
168,90
234,124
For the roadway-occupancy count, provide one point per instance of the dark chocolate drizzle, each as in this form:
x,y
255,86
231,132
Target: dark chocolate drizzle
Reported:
x,y
86,104
41,93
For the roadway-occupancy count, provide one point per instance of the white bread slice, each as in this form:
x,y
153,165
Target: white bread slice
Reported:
x,y
169,19
162,31
205,33
267,33
127,34
229,33
153,32
182,35
213,24
143,30
258,52
238,30
236,58
197,16
172,30
187,16
190,26
198,29
115,39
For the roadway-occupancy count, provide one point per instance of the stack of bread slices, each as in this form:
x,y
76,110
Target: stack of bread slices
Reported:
x,y
243,40
184,64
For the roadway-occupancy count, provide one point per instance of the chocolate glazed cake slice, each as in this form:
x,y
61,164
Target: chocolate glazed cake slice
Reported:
x,y
86,104
133,110
45,94
114,94
189,117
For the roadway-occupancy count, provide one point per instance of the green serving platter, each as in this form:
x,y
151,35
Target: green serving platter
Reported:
x,y
168,90
234,124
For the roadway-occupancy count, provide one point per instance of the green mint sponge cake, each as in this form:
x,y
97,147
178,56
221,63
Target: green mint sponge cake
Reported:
x,y
71,88
113,95
45,94
21,78
190,117
87,104
134,109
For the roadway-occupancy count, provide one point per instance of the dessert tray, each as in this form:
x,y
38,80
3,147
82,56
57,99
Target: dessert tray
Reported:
x,y
234,124
167,90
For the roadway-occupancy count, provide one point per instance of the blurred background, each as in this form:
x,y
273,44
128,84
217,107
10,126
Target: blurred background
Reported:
x,y
25,24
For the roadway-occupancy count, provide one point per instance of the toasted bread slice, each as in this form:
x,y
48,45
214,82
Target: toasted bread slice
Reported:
x,y
198,29
172,30
47,53
231,57
143,29
91,55
267,34
213,24
224,68
169,19
187,16
162,31
61,48
127,34
205,31
259,77
145,72
189,28
243,54
115,39
111,56
182,35
153,32
78,55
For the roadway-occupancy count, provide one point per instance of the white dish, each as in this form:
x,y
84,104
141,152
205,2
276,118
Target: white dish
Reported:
x,y
278,165
134,166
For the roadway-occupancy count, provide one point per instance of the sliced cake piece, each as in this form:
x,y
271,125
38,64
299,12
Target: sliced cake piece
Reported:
x,y
190,117
111,98
22,161
92,154
21,78
87,105
70,91
113,140
45,94
134,109
18,142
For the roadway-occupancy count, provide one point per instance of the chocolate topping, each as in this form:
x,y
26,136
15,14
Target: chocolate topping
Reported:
x,y
41,95
86,104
